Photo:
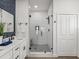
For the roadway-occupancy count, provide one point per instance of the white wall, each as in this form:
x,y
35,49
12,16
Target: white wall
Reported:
x,y
66,6
22,21
38,18
22,18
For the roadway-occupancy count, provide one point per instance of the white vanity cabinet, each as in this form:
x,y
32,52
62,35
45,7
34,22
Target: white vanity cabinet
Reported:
x,y
8,55
23,50
16,52
19,52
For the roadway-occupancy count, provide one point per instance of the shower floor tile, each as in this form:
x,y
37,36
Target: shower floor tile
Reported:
x,y
40,48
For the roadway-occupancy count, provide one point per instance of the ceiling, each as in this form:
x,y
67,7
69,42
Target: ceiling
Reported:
x,y
43,5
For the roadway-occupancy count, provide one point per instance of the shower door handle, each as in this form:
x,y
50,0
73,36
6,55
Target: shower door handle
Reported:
x,y
41,33
26,23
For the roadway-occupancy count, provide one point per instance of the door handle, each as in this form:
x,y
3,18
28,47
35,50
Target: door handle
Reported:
x,y
17,57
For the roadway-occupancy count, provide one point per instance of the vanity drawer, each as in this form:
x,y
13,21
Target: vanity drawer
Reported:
x,y
16,56
23,50
16,50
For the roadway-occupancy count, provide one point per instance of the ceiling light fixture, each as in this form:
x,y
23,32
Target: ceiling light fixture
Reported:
x,y
36,6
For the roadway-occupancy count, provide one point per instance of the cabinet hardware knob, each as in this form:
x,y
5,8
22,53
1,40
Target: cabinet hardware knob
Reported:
x,y
10,24
17,48
24,48
17,57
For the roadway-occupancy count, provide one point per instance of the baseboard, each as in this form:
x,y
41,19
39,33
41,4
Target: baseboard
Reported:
x,y
55,55
42,54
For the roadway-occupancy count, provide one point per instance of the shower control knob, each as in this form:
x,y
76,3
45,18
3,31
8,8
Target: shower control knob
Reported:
x,y
26,23
48,29
54,21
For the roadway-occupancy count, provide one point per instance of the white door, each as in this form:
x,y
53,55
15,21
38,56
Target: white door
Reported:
x,y
67,35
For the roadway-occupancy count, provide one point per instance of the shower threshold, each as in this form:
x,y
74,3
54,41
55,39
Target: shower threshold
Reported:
x,y
40,54
40,48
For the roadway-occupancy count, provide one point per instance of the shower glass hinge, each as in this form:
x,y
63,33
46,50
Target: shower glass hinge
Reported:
x,y
51,48
44,51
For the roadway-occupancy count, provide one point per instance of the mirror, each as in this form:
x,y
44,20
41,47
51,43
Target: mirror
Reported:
x,y
8,20
7,16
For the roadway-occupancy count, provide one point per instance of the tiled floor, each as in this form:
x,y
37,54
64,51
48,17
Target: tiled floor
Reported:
x,y
40,48
52,58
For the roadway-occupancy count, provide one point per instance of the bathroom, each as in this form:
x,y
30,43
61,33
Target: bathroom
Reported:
x,y
35,29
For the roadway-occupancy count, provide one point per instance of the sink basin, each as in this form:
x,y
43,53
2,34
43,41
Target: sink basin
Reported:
x,y
6,43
